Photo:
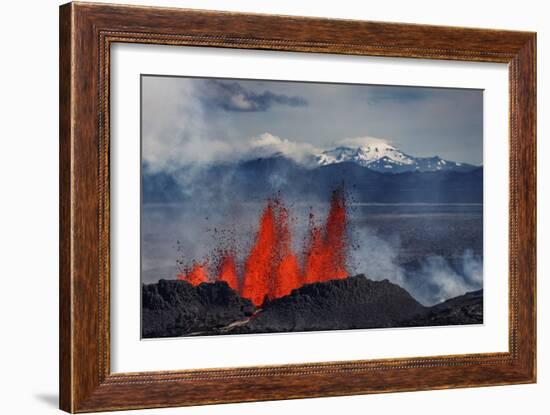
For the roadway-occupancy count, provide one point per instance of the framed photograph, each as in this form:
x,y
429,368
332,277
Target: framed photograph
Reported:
x,y
258,207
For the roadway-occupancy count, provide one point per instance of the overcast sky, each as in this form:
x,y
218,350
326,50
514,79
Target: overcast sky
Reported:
x,y
200,120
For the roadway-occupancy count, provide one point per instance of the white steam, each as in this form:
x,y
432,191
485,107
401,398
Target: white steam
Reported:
x,y
174,131
434,280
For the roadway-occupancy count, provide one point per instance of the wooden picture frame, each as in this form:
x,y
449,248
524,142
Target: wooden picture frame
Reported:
x,y
86,33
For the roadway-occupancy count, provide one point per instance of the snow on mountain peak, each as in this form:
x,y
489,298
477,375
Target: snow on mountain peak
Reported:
x,y
384,157
374,154
364,155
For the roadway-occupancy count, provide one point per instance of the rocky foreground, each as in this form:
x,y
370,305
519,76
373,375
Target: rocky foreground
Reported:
x,y
173,308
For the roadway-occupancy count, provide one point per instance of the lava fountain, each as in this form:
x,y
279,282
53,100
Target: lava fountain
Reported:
x,y
272,269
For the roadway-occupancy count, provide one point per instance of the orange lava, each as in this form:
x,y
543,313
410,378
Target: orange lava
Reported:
x,y
325,258
258,267
287,274
271,269
197,275
315,256
335,239
228,271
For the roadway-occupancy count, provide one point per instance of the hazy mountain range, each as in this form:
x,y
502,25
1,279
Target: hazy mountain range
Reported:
x,y
385,158
374,173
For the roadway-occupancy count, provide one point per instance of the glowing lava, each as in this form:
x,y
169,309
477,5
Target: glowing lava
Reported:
x,y
228,271
198,274
271,269
258,269
287,275
326,257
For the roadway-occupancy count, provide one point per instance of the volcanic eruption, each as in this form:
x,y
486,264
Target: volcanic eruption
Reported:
x,y
272,269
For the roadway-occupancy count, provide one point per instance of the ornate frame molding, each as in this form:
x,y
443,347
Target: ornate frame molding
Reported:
x,y
86,33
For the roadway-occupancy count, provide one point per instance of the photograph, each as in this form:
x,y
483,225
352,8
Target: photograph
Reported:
x,y
274,206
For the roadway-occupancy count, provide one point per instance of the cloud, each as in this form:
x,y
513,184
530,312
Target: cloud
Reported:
x,y
177,127
362,141
268,144
399,94
233,97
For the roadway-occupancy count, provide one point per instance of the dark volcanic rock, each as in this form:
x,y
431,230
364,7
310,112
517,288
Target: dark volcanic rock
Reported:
x,y
175,308
465,309
351,303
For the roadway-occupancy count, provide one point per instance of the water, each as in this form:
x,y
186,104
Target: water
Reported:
x,y
446,230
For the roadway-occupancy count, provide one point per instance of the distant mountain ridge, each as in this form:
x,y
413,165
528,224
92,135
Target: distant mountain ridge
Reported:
x,y
258,179
375,173
385,158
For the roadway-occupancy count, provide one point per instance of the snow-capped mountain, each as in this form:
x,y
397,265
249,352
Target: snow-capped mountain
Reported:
x,y
385,158
365,155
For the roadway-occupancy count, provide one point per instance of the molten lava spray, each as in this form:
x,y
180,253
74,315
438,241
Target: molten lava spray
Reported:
x,y
314,256
228,271
335,238
258,267
197,274
287,275
326,257
272,270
